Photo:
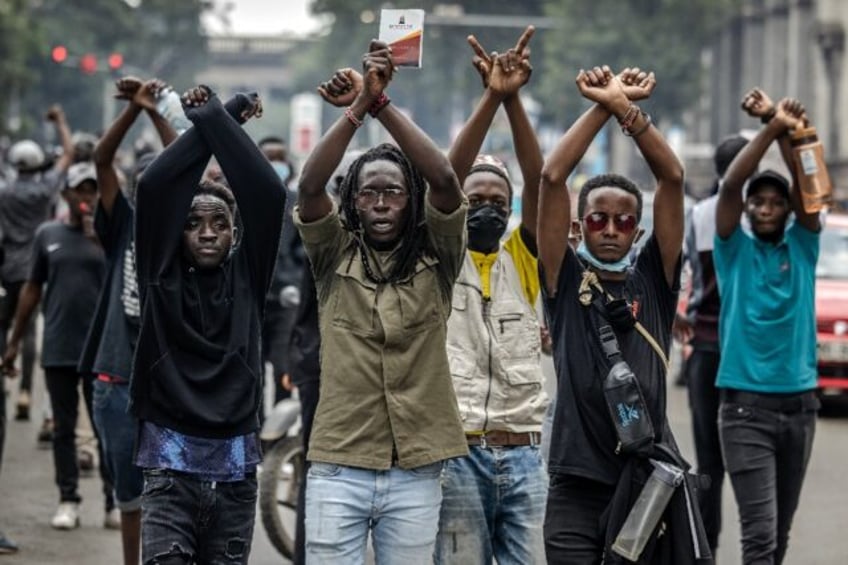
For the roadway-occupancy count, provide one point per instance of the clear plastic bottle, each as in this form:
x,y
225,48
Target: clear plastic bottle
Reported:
x,y
647,511
808,154
170,107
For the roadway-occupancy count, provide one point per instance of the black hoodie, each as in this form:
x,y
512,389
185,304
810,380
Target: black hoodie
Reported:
x,y
198,367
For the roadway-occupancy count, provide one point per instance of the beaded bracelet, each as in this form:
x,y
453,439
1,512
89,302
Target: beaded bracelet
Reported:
x,y
629,117
379,104
351,118
642,129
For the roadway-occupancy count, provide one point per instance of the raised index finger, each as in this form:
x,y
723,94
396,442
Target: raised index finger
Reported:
x,y
478,49
524,39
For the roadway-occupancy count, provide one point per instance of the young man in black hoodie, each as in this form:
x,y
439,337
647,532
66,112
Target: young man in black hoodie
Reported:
x,y
196,383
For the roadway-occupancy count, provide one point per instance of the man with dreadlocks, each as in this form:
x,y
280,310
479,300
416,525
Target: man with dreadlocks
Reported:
x,y
494,499
384,271
196,381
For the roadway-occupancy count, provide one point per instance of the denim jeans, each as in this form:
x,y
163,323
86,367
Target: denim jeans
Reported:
x,y
400,507
185,520
573,532
701,370
117,431
766,454
493,506
63,385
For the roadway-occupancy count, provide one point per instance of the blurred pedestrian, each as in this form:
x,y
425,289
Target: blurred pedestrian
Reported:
x,y
767,330
25,203
67,270
284,294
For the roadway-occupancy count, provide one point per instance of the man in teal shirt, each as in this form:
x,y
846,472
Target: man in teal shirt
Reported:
x,y
767,333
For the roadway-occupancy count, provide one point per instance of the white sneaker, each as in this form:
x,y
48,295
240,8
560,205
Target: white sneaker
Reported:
x,y
66,516
112,520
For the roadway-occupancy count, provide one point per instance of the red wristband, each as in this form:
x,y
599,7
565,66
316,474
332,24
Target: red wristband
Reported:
x,y
379,104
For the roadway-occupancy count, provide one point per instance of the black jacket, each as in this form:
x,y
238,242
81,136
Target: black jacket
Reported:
x,y
305,345
198,367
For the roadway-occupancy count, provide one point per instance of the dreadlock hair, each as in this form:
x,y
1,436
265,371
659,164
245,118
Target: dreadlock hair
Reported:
x,y
413,236
606,181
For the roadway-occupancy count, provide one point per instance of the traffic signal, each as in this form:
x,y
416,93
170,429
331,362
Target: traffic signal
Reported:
x,y
88,64
116,61
59,54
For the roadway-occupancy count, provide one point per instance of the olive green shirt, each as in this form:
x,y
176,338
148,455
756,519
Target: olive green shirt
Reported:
x,y
385,378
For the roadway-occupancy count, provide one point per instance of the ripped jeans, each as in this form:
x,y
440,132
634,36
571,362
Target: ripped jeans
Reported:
x,y
185,520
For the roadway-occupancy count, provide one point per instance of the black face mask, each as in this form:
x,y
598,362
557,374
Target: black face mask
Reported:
x,y
486,225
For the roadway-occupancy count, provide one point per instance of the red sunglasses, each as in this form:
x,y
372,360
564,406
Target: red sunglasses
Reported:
x,y
597,221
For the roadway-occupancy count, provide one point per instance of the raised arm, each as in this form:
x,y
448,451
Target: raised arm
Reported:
x,y
669,218
730,201
165,192
444,191
56,115
107,146
259,192
467,144
503,76
554,210
344,89
811,221
527,149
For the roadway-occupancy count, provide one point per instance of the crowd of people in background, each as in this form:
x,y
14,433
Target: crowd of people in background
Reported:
x,y
385,287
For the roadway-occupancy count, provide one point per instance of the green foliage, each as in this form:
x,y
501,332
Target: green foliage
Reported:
x,y
666,36
159,38
16,43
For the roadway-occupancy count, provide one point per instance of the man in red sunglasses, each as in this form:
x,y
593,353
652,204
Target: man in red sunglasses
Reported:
x,y
585,464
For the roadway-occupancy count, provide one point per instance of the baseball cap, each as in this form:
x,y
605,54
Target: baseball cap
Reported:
x,y
768,178
26,154
78,173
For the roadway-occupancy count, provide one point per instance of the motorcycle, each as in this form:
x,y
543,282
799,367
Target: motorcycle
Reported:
x,y
282,474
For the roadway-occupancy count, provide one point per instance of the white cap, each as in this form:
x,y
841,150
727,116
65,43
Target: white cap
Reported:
x,y
78,173
26,154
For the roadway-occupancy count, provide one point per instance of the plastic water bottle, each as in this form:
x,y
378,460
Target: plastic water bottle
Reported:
x,y
643,518
169,107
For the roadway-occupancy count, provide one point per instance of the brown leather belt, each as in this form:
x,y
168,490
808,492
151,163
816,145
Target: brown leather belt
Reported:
x,y
498,438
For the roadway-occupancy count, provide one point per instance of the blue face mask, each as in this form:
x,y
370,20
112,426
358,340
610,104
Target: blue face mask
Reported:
x,y
619,266
282,169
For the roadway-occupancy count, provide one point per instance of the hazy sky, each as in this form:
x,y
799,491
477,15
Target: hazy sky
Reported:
x,y
265,17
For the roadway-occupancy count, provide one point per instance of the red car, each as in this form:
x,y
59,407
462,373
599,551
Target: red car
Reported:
x,y
832,306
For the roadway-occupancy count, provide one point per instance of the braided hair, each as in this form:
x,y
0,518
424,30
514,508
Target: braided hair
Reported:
x,y
413,236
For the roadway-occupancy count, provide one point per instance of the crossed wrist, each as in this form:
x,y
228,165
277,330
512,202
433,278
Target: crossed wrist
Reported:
x,y
767,117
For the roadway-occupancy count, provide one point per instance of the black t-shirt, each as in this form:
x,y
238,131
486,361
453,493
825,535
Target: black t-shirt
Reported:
x,y
73,268
583,439
111,340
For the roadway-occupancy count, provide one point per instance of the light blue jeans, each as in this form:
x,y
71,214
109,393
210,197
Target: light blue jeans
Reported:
x,y
493,506
400,507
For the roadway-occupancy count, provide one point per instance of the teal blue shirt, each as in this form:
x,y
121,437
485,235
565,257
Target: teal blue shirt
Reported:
x,y
767,325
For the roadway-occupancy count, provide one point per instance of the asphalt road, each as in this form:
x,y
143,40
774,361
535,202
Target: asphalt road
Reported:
x,y
28,498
